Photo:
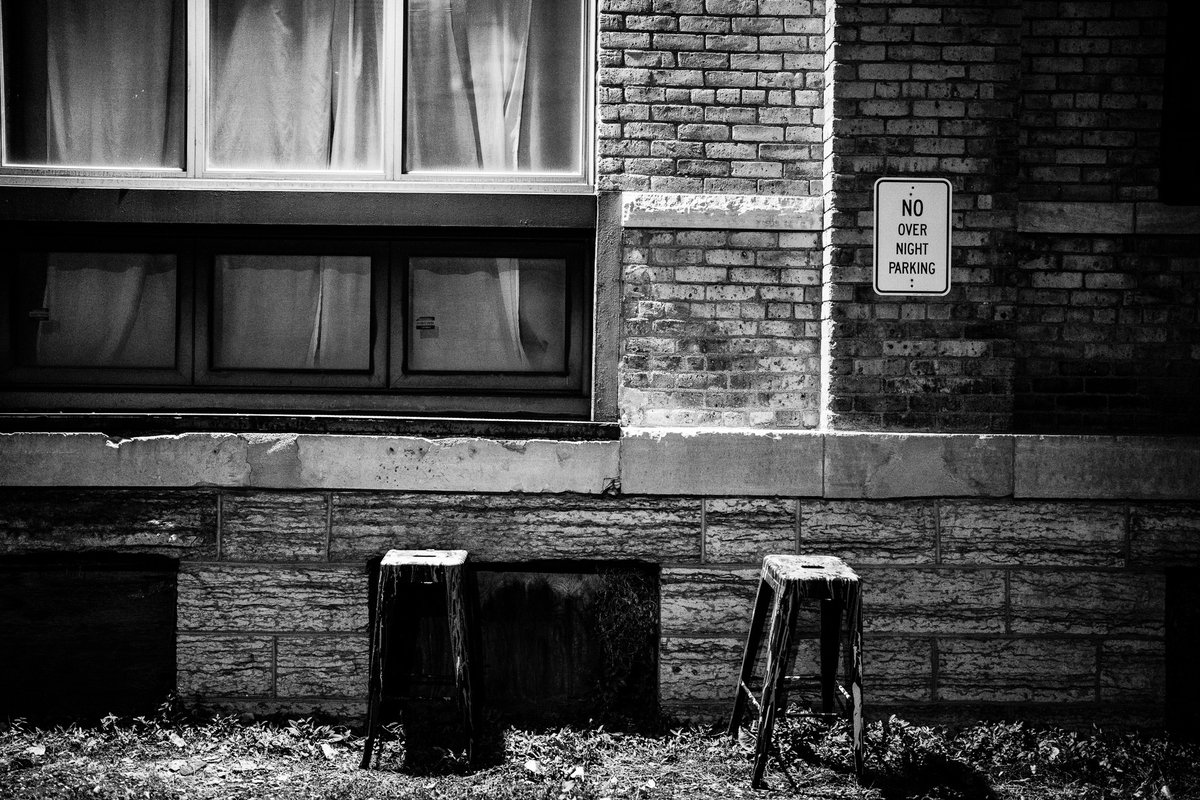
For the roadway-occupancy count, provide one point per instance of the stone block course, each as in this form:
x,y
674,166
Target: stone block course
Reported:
x,y
1164,535
707,601
1085,602
271,597
274,526
224,666
322,666
1016,670
870,533
925,601
1024,533
743,531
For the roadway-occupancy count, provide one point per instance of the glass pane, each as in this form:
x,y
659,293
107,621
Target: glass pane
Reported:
x,y
292,312
95,84
97,310
295,84
487,315
494,86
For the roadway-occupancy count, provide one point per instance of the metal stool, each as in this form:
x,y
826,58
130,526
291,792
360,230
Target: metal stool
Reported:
x,y
786,580
399,571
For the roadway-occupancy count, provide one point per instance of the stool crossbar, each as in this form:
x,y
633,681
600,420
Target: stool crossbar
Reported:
x,y
785,582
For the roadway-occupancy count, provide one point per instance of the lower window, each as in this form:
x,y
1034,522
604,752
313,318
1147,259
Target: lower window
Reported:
x,y
446,322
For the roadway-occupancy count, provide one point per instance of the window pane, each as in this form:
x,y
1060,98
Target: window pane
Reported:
x,y
494,86
95,84
487,315
292,312
97,310
295,84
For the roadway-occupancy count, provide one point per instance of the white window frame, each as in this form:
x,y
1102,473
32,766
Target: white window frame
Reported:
x,y
197,174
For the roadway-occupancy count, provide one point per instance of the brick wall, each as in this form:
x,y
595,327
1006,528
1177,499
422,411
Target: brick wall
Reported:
x,y
972,606
710,96
720,328
927,89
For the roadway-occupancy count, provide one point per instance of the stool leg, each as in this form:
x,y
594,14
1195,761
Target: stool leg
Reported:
x,y
375,678
854,676
456,612
831,629
783,623
762,602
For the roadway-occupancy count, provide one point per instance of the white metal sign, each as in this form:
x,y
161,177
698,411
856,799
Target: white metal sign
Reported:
x,y
912,236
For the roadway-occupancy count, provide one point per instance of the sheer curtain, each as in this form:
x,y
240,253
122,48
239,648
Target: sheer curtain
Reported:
x,y
108,310
295,84
96,84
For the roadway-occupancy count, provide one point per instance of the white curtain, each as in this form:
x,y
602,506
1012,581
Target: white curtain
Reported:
x,y
102,83
492,85
295,84
108,310
292,312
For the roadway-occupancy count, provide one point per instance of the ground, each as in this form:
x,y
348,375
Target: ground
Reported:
x,y
171,756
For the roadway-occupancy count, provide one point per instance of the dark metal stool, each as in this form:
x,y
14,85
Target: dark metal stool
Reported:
x,y
405,568
785,581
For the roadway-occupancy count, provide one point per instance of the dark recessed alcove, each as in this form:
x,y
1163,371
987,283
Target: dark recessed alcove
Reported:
x,y
557,641
1183,651
86,635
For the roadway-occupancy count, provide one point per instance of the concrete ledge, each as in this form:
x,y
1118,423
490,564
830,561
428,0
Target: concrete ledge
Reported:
x,y
1107,467
917,465
721,211
1050,217
733,462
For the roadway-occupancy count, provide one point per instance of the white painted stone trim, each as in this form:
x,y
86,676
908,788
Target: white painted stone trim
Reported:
x,y
720,211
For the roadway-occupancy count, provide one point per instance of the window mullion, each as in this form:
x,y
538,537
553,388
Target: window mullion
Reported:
x,y
197,49
393,76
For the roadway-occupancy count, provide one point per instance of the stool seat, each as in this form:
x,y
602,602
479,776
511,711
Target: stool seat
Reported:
x,y
784,582
399,572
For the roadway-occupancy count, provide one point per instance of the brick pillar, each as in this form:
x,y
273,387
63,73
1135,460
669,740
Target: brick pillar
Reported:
x,y
926,91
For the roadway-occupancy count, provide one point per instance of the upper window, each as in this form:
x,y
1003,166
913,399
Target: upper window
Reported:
x,y
341,90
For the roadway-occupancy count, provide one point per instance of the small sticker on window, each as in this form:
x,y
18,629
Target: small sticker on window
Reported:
x,y
426,324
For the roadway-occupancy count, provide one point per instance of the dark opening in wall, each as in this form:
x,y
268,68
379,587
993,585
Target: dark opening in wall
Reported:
x,y
86,635
558,642
1183,651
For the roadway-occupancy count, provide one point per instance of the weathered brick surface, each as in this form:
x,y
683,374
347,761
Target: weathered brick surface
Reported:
x,y
275,598
933,93
711,97
1163,535
720,328
226,666
1016,670
517,527
1028,533
1087,602
921,601
274,526
322,666
177,523
869,533
743,531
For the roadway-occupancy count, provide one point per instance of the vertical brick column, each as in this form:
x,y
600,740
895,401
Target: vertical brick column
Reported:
x,y
927,90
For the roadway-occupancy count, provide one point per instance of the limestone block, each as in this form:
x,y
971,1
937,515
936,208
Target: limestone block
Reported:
x,y
720,211
517,527
1087,602
1016,670
273,526
1032,533
237,597
1107,467
1075,218
733,462
94,459
220,665
917,465
1164,219
927,601
322,666
743,531
886,532
407,463
698,669
1133,671
179,524
1165,535
705,601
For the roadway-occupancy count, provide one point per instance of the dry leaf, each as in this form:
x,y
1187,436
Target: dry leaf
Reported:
x,y
532,765
328,750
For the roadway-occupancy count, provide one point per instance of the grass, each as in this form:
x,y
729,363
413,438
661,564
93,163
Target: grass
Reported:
x,y
176,756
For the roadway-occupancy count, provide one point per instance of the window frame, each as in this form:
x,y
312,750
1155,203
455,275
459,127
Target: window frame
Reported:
x,y
198,174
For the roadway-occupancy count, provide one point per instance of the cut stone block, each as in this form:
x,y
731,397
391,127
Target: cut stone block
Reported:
x,y
932,601
1088,602
1107,467
1163,535
1133,671
706,601
273,526
698,670
1016,670
743,531
322,666
1033,534
275,598
917,465
863,533
517,527
229,666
